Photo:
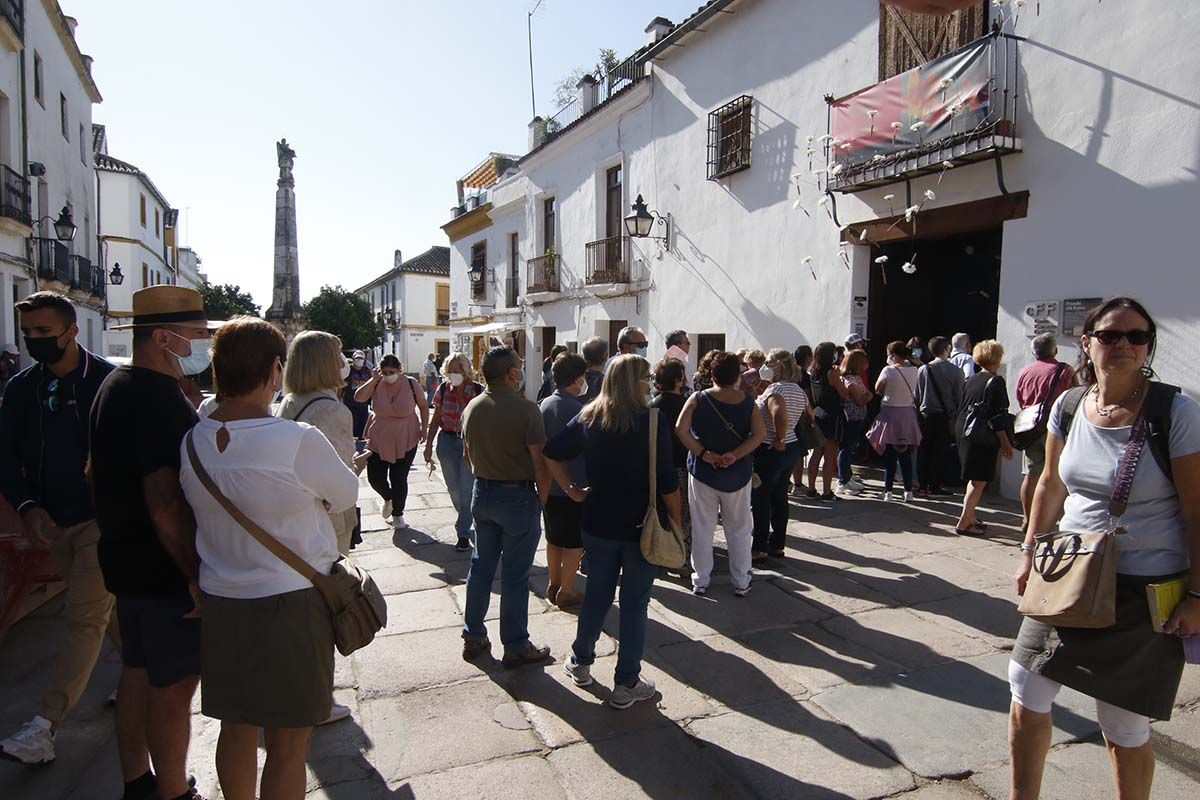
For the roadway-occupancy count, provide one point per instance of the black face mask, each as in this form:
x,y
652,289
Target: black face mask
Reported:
x,y
45,349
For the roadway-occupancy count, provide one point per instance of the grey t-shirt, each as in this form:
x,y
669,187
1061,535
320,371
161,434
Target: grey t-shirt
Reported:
x,y
1156,538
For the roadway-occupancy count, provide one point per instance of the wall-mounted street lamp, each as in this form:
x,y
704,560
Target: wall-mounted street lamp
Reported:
x,y
115,276
641,222
475,273
64,226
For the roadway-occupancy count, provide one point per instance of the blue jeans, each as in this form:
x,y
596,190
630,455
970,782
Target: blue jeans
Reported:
x,y
608,561
850,439
507,530
460,483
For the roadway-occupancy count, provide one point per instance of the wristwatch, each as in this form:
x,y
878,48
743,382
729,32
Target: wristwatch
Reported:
x,y
1026,548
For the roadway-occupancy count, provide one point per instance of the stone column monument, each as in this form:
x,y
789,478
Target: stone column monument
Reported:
x,y
285,312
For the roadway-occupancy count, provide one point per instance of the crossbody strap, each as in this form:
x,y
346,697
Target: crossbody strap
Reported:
x,y
1128,466
276,547
309,403
653,458
912,395
712,404
1044,404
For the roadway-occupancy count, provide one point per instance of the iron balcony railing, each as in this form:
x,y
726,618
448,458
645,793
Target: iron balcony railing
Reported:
x,y
616,80
54,261
85,278
14,12
541,274
14,195
607,261
443,317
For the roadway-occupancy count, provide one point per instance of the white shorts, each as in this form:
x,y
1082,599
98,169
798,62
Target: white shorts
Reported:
x,y
1036,693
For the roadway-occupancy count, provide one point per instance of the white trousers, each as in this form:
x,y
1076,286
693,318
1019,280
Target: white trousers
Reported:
x,y
734,508
1037,692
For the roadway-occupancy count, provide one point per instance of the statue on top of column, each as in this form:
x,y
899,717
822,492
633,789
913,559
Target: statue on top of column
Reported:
x,y
287,157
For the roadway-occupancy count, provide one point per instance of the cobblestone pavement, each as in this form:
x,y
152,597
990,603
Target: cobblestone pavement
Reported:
x,y
871,662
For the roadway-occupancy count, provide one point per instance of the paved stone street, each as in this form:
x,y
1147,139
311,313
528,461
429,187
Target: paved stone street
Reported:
x,y
870,663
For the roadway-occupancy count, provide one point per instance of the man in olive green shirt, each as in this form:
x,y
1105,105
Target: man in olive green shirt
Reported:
x,y
503,437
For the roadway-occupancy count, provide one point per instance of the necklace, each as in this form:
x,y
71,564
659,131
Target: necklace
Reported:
x,y
1107,411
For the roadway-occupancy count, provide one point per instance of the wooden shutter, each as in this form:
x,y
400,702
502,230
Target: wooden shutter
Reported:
x,y
908,39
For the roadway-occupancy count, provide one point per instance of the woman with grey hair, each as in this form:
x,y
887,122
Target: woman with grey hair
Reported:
x,y
781,405
449,400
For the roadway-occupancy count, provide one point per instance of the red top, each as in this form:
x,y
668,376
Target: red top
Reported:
x,y
1034,380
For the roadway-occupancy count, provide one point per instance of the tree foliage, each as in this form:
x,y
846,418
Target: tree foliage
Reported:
x,y
227,301
346,315
564,90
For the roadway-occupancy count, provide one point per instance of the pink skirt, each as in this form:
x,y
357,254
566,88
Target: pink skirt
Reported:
x,y
897,426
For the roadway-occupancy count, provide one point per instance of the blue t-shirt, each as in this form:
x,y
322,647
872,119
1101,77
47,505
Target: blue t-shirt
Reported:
x,y
557,410
618,470
710,431
1156,539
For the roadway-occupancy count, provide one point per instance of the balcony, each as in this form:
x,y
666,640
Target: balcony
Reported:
x,y
959,108
55,262
469,204
621,77
541,274
443,317
12,27
14,202
607,261
86,279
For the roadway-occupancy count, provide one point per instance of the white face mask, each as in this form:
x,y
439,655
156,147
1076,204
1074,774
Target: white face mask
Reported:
x,y
345,370
358,362
395,376
766,373
456,379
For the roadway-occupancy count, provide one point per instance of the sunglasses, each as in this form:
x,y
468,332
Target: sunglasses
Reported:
x,y
1111,337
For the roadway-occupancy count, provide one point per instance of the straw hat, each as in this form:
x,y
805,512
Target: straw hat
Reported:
x,y
168,305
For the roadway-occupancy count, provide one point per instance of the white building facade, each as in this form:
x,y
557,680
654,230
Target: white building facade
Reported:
x,y
189,272
411,302
46,97
137,236
1059,156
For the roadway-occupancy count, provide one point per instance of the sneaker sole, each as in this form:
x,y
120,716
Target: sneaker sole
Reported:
x,y
623,706
10,757
590,680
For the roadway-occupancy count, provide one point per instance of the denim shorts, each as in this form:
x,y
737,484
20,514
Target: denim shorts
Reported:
x,y
155,637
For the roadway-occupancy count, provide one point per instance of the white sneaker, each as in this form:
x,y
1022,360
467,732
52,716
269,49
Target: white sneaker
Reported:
x,y
387,509
743,592
338,713
856,484
398,522
888,497
33,744
625,696
580,674
850,488
908,497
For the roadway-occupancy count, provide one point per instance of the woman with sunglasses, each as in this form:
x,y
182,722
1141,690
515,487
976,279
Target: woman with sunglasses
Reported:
x,y
1132,671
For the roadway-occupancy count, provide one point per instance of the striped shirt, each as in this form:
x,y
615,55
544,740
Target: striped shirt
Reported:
x,y
452,402
795,399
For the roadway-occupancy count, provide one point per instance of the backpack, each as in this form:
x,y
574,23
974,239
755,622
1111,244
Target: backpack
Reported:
x,y
1157,411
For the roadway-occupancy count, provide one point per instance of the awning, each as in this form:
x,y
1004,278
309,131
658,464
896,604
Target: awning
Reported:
x,y
491,327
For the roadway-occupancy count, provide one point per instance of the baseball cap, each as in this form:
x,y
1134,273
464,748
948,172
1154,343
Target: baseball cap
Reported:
x,y
853,339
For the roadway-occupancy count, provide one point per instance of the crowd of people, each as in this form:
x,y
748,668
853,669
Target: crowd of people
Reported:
x,y
151,506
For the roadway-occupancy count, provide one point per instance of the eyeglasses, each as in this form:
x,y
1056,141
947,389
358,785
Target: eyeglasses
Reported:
x,y
1110,337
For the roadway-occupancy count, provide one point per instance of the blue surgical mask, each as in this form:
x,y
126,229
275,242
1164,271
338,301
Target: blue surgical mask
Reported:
x,y
197,361
640,350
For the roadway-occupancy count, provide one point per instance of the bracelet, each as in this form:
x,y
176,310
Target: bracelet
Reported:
x,y
1027,548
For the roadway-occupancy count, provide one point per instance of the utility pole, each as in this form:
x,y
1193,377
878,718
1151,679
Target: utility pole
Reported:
x,y
529,31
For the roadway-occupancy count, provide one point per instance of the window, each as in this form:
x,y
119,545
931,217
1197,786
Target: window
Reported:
x,y
612,203
156,222
479,264
142,201
709,341
145,275
62,112
514,270
729,138
443,305
38,78
82,151
548,225
908,39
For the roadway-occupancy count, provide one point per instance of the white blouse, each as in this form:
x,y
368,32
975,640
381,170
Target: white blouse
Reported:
x,y
277,472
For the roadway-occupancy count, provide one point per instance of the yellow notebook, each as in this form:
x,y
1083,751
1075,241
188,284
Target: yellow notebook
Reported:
x,y
1163,597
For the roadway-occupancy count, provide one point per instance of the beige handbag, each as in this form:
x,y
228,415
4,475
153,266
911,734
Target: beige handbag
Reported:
x,y
355,602
662,545
1074,579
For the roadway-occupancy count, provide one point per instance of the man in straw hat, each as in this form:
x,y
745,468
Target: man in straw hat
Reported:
x,y
148,535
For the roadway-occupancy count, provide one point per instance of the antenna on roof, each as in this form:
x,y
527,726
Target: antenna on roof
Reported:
x,y
529,30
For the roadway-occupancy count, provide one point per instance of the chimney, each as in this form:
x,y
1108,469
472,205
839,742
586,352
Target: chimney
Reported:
x,y
72,23
658,28
397,260
537,132
587,94
87,62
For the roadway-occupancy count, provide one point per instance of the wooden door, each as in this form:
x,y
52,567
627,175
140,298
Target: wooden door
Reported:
x,y
908,39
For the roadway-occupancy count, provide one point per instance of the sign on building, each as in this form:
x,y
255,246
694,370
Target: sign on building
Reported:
x,y
1041,316
1074,312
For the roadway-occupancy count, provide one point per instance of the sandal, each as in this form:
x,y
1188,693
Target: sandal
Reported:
x,y
970,530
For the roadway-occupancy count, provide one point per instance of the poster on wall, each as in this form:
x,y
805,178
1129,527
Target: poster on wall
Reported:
x,y
1041,316
926,104
1075,311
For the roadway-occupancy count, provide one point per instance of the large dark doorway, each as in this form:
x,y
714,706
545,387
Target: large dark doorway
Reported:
x,y
956,288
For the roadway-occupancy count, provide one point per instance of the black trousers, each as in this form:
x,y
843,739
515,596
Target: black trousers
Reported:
x,y
934,452
769,502
390,481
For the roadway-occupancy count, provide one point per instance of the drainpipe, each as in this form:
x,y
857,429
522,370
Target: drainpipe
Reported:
x,y
25,157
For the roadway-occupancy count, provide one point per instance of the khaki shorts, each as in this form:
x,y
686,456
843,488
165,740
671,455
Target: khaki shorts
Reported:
x,y
1033,460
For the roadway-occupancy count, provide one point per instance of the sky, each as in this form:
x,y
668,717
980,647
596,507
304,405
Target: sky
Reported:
x,y
386,103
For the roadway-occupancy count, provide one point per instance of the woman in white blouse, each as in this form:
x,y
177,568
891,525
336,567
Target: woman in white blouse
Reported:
x,y
267,658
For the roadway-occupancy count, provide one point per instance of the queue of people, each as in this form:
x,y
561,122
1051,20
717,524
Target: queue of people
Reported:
x,y
145,503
